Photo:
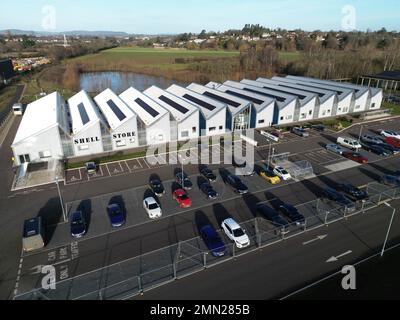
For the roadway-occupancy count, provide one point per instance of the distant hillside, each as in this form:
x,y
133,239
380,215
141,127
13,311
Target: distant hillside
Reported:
x,y
68,33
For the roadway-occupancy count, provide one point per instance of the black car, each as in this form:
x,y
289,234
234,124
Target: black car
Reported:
x,y
318,127
340,198
208,174
272,216
389,148
390,180
157,187
352,191
184,180
237,184
375,149
209,191
292,214
78,224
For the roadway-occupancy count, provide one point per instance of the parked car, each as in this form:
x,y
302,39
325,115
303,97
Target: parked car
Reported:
x,y
157,187
273,217
183,179
116,215
300,132
90,167
334,148
292,214
237,184
339,198
318,127
182,197
390,133
371,139
208,174
374,148
393,142
282,173
213,241
152,208
269,176
390,180
209,191
33,234
348,143
390,148
235,233
352,191
277,134
78,224
355,156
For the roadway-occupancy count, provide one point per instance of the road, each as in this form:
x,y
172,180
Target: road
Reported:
x,y
102,249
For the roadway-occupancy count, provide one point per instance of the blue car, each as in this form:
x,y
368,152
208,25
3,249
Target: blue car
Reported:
x,y
212,241
78,224
116,215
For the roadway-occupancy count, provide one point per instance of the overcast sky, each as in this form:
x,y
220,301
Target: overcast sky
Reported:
x,y
177,16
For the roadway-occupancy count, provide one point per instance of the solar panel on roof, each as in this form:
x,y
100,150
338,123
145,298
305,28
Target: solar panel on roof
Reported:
x,y
199,102
243,96
280,99
318,93
117,111
82,111
301,97
312,85
147,108
173,104
222,99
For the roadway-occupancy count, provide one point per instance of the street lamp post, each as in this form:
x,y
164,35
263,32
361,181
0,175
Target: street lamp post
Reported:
x,y
61,200
183,180
359,136
390,225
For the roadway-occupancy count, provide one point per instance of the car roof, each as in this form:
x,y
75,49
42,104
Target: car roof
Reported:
x,y
150,200
231,223
208,229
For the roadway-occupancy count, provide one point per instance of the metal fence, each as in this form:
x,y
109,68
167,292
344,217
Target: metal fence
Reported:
x,y
134,276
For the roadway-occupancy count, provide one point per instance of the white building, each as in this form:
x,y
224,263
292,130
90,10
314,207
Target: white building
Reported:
x,y
121,120
376,98
263,107
309,102
327,99
346,97
239,115
43,133
184,116
212,112
88,127
285,105
153,120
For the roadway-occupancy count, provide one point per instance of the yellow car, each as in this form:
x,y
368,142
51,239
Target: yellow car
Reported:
x,y
270,177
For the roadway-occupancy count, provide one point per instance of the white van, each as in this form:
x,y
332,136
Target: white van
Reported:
x,y
349,143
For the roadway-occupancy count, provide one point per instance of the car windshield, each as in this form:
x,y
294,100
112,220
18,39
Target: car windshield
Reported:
x,y
153,206
183,196
156,183
77,222
238,232
91,166
115,212
284,171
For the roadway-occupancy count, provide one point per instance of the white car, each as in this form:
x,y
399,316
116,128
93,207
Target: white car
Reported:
x,y
350,143
282,173
235,232
390,134
152,208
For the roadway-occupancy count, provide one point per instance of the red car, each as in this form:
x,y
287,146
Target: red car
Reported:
x,y
355,156
393,142
182,197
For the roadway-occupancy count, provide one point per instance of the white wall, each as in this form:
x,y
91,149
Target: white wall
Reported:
x,y
217,121
267,114
47,142
307,110
361,102
187,125
159,132
91,143
121,139
377,99
344,105
287,113
326,108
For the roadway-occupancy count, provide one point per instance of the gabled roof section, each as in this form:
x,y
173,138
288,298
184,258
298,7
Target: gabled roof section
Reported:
x,y
41,115
179,108
147,109
235,104
206,105
115,111
83,111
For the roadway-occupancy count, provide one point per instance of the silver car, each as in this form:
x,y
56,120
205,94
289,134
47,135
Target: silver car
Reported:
x,y
371,139
300,132
334,148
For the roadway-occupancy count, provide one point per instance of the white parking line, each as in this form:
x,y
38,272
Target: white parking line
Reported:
x,y
107,169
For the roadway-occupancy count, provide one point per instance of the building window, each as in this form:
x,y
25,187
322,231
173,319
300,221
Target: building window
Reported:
x,y
120,143
45,154
194,129
185,134
329,110
212,129
372,105
310,113
281,118
83,147
221,127
303,116
323,113
357,107
289,117
261,121
160,137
